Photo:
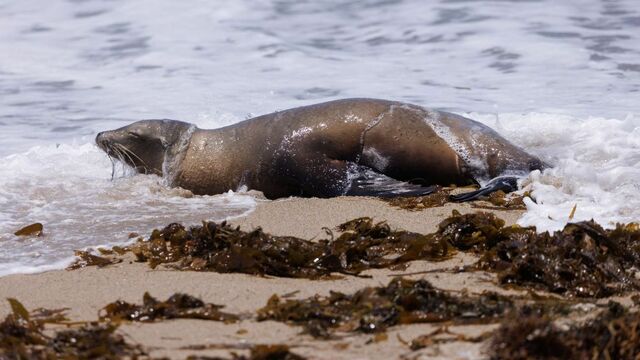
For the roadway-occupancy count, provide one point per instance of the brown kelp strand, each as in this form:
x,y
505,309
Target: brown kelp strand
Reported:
x,y
415,203
498,200
257,352
374,309
613,334
22,336
86,258
177,306
34,229
362,245
443,335
524,306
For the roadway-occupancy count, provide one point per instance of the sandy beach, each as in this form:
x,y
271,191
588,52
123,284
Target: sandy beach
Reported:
x,y
86,291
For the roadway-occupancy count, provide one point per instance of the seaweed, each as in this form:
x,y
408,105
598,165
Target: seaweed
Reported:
x,y
362,245
436,337
498,200
34,229
613,334
476,232
93,341
416,203
374,309
272,352
177,306
22,336
503,201
257,352
582,260
85,258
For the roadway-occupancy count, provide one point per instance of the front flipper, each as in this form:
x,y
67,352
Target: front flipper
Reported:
x,y
370,183
504,183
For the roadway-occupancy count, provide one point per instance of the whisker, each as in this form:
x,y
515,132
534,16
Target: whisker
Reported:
x,y
121,159
133,154
130,153
126,153
113,167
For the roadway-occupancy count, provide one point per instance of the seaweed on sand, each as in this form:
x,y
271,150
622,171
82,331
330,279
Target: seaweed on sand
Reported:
x,y
93,341
443,335
257,352
498,200
86,258
222,248
177,306
22,336
582,260
470,232
415,203
374,309
613,334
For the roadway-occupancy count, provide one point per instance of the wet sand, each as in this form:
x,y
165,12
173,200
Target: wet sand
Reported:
x,y
86,291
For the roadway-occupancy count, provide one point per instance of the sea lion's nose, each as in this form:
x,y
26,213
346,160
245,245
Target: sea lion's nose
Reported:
x,y
101,140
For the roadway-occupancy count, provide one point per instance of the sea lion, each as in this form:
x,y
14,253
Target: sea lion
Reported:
x,y
343,147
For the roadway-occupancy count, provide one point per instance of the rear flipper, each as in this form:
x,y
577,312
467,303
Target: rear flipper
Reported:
x,y
370,183
504,183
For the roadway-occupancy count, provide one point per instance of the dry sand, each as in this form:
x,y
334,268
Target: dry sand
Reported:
x,y
87,290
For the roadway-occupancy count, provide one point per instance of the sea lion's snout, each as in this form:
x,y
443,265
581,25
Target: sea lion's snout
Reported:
x,y
102,140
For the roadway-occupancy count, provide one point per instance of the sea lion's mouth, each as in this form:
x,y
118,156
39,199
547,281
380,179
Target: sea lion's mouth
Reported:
x,y
119,153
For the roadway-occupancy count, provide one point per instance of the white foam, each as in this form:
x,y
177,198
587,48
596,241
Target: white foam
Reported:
x,y
68,189
596,166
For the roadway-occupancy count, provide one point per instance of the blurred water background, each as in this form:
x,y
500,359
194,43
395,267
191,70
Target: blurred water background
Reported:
x,y
559,78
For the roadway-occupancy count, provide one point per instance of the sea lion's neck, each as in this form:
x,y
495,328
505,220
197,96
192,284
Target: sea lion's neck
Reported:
x,y
213,162
174,155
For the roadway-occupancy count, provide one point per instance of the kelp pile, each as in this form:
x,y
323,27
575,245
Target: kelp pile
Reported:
x,y
22,336
498,200
374,309
613,334
177,306
582,260
362,245
470,232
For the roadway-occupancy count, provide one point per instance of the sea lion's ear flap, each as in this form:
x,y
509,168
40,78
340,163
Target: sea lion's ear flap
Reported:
x,y
504,183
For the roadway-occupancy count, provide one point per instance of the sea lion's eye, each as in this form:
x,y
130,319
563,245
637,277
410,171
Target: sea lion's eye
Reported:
x,y
137,136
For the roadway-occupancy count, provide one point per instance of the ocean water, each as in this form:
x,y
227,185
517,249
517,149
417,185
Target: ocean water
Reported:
x,y
559,78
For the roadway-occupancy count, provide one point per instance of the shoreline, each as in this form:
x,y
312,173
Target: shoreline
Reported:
x,y
87,290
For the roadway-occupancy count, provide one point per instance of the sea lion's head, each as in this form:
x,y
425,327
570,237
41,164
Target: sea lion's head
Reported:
x,y
144,144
